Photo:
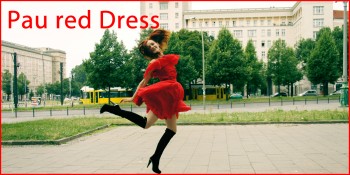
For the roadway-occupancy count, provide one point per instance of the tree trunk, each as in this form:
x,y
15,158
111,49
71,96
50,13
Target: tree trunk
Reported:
x,y
291,90
109,95
248,90
325,88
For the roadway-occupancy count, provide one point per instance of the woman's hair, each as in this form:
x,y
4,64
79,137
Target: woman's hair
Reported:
x,y
159,36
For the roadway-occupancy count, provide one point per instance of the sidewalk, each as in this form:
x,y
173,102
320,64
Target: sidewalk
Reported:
x,y
317,148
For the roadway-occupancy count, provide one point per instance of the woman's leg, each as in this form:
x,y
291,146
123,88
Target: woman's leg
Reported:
x,y
171,123
151,119
133,117
170,131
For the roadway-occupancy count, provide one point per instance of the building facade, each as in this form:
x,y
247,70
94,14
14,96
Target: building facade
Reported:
x,y
39,65
170,13
261,25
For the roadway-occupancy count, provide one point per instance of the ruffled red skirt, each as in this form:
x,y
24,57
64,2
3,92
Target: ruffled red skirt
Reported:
x,y
164,98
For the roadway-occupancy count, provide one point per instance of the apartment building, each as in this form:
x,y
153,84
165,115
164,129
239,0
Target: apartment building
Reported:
x,y
170,13
40,65
261,25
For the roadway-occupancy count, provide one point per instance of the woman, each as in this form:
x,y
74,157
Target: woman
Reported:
x,y
163,99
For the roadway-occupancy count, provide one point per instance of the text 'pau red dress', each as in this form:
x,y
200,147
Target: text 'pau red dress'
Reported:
x,y
164,98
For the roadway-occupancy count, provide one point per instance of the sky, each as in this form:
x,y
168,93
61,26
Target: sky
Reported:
x,y
77,42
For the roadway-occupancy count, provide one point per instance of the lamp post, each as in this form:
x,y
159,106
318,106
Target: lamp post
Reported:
x,y
203,67
344,94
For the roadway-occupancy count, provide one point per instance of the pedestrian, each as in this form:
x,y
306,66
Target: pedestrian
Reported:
x,y
164,99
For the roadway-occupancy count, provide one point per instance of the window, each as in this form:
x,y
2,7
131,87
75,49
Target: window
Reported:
x,y
263,43
206,24
163,16
176,5
150,5
193,24
255,22
213,24
238,33
241,22
227,23
318,10
263,32
200,24
268,43
277,32
263,54
233,23
262,22
251,33
283,32
315,35
268,32
163,6
254,43
220,23
212,34
176,15
177,25
248,22
269,22
164,26
318,22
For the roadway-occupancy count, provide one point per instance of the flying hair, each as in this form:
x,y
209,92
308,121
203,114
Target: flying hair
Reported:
x,y
160,36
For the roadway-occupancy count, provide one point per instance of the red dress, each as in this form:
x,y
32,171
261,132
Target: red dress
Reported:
x,y
164,98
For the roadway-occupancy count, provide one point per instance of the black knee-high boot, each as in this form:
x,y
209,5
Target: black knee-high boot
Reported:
x,y
163,142
135,118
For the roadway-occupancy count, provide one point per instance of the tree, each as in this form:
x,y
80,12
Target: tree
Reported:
x,y
22,84
290,71
281,60
255,79
337,34
188,45
303,51
6,83
137,63
106,66
40,90
321,67
226,62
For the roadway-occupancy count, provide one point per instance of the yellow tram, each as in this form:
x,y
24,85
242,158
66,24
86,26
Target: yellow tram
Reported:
x,y
91,96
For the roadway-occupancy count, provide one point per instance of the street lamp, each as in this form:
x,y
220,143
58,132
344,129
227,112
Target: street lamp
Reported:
x,y
203,63
344,94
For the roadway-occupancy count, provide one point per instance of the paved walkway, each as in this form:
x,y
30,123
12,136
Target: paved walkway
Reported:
x,y
317,148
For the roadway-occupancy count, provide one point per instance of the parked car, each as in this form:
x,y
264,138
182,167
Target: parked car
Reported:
x,y
236,96
309,93
282,94
338,92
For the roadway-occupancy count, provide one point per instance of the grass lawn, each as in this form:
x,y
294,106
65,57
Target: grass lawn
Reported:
x,y
54,129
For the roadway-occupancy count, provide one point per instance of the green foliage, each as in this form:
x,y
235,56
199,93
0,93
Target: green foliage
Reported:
x,y
6,83
106,66
79,79
137,63
303,51
255,79
282,64
22,83
322,65
188,45
337,34
226,62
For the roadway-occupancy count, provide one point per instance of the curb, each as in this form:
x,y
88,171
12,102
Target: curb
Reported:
x,y
67,139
